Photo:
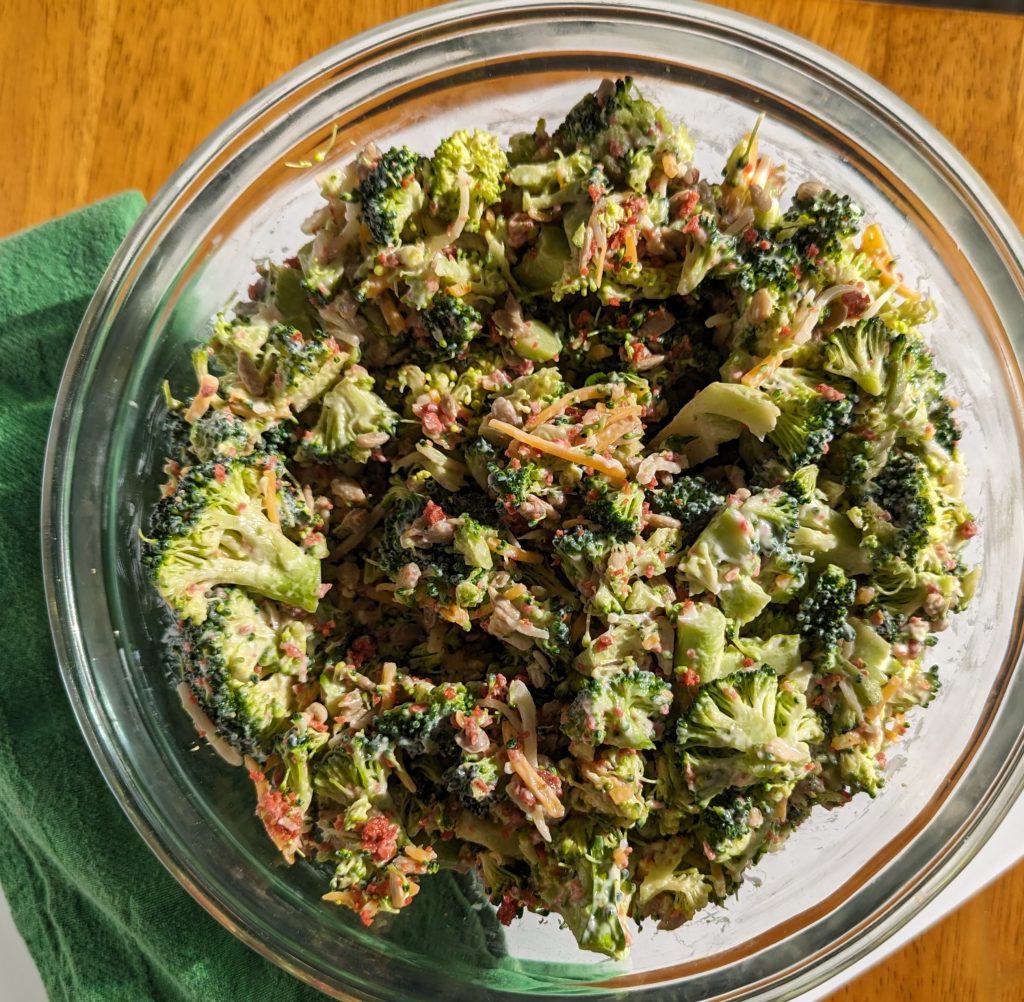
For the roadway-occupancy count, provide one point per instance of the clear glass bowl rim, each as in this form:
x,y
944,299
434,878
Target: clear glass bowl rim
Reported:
x,y
74,658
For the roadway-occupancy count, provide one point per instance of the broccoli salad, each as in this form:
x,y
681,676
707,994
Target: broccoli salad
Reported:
x,y
561,515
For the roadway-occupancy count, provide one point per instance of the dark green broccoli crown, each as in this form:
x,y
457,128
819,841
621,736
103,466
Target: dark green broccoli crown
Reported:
x,y
823,611
819,226
474,782
860,353
579,550
619,709
219,433
766,263
426,728
297,357
212,529
692,500
903,490
947,428
514,483
248,711
811,414
614,120
452,323
616,509
381,189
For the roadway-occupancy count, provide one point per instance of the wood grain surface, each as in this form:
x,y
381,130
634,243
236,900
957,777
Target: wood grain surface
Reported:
x,y
101,95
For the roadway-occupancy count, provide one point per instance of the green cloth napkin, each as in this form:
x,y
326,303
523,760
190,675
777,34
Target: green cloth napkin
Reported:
x,y
103,920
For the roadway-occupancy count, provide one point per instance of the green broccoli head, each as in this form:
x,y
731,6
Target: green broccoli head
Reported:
x,y
811,414
425,728
353,422
624,709
472,159
904,489
670,888
215,528
611,124
581,552
241,665
219,434
514,483
612,785
859,353
802,485
390,195
297,369
821,226
743,729
617,509
766,263
692,500
581,875
298,749
357,766
474,781
821,617
452,323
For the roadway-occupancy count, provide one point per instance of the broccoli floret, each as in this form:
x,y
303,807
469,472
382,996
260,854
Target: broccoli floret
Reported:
x,y
513,484
477,155
474,781
707,258
298,749
624,709
438,563
859,353
425,728
692,500
611,124
357,766
905,491
581,875
612,784
452,323
219,434
616,509
766,264
802,486
390,194
670,888
214,529
241,665
743,729
823,611
580,551
811,415
820,226
352,420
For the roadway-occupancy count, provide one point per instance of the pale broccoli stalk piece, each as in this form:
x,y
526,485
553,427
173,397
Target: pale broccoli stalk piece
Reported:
x,y
700,643
669,889
743,729
860,353
728,554
829,537
473,161
716,414
353,422
612,785
390,195
581,875
215,529
241,664
543,263
780,652
624,709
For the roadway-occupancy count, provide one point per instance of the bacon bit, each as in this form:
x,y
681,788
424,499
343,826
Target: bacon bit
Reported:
x,y
433,513
689,202
690,678
509,909
813,250
380,838
218,473
968,530
830,392
692,225
603,642
856,303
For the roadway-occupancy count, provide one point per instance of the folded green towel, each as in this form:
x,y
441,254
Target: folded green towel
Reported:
x,y
102,918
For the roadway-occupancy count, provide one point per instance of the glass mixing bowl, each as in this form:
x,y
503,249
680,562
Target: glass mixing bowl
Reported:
x,y
844,882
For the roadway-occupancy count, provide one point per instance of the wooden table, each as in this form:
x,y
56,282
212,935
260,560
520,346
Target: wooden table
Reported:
x,y
101,95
